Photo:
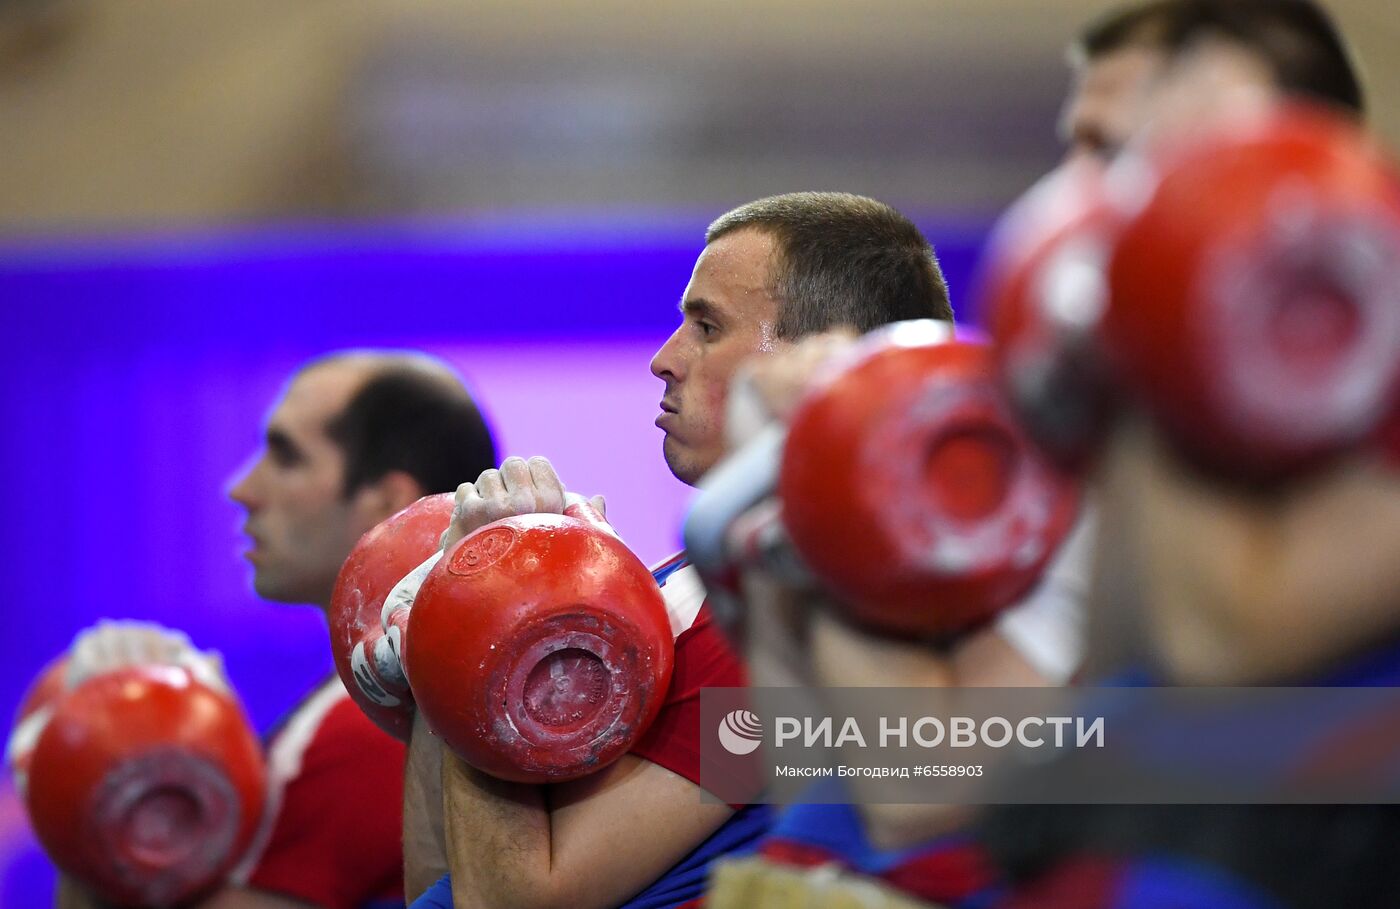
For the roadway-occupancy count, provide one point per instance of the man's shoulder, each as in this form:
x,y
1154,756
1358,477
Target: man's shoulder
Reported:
x,y
328,726
684,594
332,774
703,656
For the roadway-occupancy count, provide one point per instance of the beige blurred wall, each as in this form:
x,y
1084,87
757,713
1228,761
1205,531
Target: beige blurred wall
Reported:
x,y
159,112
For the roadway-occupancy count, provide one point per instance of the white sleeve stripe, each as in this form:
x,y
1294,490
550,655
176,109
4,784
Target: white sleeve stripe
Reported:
x,y
1048,627
284,760
684,595
1047,630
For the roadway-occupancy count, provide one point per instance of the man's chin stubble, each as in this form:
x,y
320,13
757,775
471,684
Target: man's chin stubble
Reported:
x,y
676,463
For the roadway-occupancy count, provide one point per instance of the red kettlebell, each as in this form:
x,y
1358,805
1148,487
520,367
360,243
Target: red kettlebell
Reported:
x,y
910,491
1044,289
143,783
539,647
365,657
34,711
1261,331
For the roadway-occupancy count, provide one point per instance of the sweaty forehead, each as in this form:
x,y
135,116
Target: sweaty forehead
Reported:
x,y
735,271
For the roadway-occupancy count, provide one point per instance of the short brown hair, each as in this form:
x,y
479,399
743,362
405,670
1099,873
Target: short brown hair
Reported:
x,y
843,261
1296,38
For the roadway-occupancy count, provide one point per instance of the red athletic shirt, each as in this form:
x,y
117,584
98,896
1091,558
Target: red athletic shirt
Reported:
x,y
332,832
703,660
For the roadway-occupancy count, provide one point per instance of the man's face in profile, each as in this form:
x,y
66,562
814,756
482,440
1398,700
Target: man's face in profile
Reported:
x,y
300,523
1126,92
728,314
1104,107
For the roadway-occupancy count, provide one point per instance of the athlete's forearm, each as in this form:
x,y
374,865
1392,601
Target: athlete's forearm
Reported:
x,y
424,842
498,840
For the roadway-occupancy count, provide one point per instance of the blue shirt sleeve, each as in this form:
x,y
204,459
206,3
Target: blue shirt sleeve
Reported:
x,y
438,896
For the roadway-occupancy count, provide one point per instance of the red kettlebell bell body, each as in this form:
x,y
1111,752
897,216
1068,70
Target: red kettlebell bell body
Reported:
x,y
539,647
909,490
34,710
1262,329
1044,291
379,561
146,785
47,687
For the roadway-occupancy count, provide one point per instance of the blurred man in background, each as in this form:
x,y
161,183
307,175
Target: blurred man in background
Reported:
x,y
1170,65
1120,61
356,437
1249,506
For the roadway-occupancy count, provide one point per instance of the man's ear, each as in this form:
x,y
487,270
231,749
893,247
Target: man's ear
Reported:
x,y
389,494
